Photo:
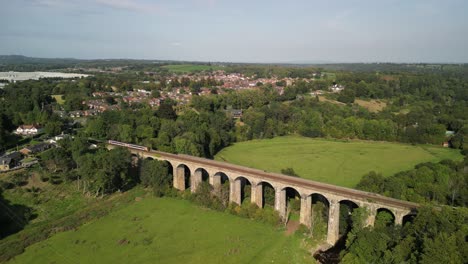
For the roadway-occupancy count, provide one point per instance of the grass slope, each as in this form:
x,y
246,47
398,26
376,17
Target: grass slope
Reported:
x,y
336,162
166,230
186,68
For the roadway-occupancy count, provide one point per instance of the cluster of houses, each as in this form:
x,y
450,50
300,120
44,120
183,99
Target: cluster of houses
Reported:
x,y
16,159
181,95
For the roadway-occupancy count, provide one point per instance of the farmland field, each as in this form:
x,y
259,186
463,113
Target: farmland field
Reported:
x,y
167,230
187,68
332,161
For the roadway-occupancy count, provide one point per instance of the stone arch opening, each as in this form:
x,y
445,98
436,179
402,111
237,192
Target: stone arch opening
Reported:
x,y
346,210
293,200
244,188
205,176
182,177
384,217
409,218
319,218
199,176
268,194
170,171
135,160
170,168
221,186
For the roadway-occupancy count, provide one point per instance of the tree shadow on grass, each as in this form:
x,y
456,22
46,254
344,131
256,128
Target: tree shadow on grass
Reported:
x,y
13,217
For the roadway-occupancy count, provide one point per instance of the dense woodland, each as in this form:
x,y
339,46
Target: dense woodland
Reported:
x,y
422,105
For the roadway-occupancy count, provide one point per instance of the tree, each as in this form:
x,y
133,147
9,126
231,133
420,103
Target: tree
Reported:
x,y
289,171
155,174
166,111
53,128
372,182
57,159
106,171
347,96
441,249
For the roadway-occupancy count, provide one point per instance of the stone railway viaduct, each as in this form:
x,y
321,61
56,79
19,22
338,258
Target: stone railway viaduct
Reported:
x,y
238,176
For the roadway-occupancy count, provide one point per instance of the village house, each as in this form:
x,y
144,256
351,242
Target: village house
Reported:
x,y
76,114
31,150
235,113
28,130
98,104
57,138
154,102
335,88
10,161
317,92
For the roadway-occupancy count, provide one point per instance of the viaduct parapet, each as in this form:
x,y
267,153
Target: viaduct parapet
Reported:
x,y
188,172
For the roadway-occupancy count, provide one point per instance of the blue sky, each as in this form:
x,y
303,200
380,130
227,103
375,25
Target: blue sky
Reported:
x,y
238,30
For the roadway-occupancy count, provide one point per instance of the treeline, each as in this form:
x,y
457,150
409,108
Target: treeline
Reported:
x,y
200,134
436,235
441,88
433,236
266,115
281,71
443,183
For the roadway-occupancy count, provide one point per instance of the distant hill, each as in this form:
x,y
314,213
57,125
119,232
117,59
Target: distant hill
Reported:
x,y
20,59
25,63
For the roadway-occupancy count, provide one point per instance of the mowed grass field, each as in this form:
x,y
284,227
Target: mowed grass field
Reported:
x,y
167,230
186,68
331,161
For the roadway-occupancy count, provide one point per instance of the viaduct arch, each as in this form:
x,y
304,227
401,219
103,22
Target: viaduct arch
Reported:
x,y
190,171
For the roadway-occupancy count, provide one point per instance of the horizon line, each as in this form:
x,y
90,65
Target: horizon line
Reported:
x,y
301,62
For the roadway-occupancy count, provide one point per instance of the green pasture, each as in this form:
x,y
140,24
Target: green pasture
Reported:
x,y
330,75
187,68
59,98
167,230
332,161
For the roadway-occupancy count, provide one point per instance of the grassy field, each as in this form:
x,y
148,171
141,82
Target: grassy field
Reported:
x,y
167,230
50,202
332,161
325,99
59,98
187,68
329,75
371,105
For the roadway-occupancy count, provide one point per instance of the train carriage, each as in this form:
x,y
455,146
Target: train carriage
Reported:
x,y
127,145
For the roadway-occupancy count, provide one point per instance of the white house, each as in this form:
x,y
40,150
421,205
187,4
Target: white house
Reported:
x,y
28,130
336,88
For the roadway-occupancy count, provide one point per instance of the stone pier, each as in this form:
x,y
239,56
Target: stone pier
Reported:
x,y
333,222
306,210
257,194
